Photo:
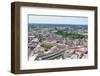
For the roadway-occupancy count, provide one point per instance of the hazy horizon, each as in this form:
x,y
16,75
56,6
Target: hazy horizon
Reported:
x,y
74,20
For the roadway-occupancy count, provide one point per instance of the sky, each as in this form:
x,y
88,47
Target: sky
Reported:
x,y
58,19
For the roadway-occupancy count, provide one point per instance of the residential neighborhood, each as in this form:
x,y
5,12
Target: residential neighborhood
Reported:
x,y
54,42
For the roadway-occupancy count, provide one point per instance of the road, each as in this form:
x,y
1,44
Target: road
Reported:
x,y
50,56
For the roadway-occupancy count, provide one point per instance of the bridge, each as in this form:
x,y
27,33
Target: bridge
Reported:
x,y
50,56
57,54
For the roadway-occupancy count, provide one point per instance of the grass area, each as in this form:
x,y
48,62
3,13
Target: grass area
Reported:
x,y
70,35
46,47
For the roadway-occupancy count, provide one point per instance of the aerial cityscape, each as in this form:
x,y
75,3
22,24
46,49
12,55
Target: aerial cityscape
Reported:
x,y
57,38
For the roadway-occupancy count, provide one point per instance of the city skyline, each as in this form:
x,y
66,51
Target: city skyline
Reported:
x,y
57,37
